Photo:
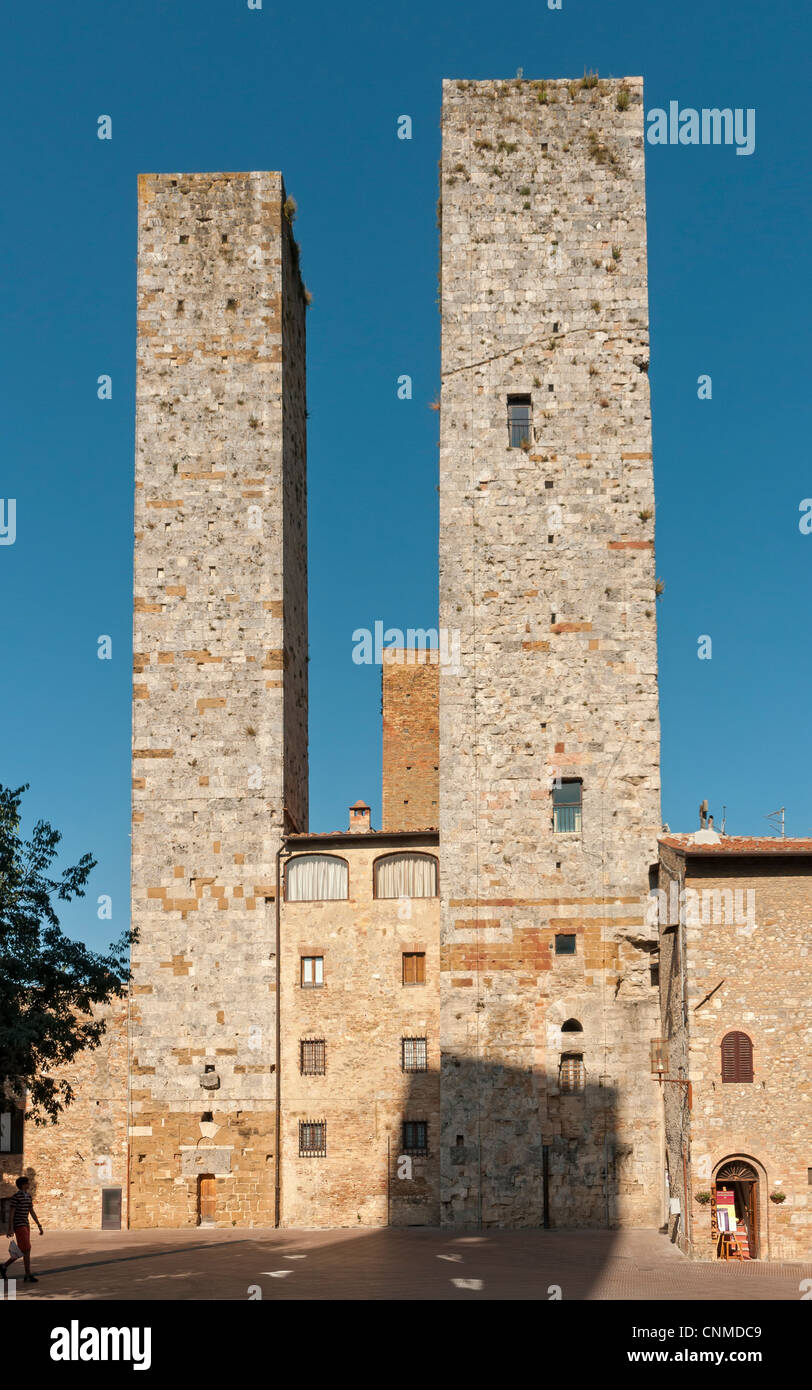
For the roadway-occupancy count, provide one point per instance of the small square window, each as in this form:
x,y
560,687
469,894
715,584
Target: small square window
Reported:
x,y
312,972
415,1137
414,1054
565,944
414,967
567,806
312,1138
520,428
312,1058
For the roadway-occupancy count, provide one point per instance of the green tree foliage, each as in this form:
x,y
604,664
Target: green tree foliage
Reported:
x,y
49,984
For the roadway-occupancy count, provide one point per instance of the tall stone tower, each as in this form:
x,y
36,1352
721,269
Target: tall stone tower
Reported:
x,y
220,693
549,738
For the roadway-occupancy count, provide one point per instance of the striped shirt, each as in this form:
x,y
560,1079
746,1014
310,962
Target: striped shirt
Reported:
x,y
21,1204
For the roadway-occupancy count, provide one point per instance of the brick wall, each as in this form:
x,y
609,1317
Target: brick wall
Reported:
x,y
411,739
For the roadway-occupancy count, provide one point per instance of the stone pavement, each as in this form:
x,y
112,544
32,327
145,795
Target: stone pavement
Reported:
x,y
389,1264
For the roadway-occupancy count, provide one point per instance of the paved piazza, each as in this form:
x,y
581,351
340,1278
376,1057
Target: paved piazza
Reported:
x,y
389,1264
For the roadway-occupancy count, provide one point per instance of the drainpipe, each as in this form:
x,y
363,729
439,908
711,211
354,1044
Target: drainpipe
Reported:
x,y
278,1117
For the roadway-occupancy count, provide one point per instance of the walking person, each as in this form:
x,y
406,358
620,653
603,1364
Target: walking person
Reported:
x,y
21,1207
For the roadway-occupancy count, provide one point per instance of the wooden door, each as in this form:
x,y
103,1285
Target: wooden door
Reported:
x,y
206,1199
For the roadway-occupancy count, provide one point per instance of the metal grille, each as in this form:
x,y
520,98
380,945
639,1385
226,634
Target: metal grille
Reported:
x,y
312,1058
571,1072
414,1054
312,1138
415,1137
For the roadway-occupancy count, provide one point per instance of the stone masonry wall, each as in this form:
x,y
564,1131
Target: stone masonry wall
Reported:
x,y
69,1163
756,971
362,1012
547,570
220,686
411,737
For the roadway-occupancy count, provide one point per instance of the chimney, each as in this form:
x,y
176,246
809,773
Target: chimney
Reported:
x,y
359,818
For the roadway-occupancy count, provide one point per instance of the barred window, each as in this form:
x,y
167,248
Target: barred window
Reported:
x,y
312,1058
415,1137
414,1054
520,428
567,806
737,1057
571,1072
565,944
414,967
312,1138
312,972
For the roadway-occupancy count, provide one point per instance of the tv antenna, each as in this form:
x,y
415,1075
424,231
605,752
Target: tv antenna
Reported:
x,y
776,818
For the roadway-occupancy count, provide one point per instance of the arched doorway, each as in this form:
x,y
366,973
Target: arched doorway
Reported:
x,y
735,1209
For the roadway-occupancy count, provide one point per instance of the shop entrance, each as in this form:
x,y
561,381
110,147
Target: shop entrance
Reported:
x,y
735,1211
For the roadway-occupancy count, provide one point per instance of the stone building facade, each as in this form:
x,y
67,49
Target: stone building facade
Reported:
x,y
220,684
360,1049
549,734
77,1168
324,1029
410,702
735,917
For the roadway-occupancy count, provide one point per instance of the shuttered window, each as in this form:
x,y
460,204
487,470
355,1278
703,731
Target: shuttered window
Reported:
x,y
414,967
737,1057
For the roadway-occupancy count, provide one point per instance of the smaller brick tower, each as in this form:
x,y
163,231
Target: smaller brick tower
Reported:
x,y
411,735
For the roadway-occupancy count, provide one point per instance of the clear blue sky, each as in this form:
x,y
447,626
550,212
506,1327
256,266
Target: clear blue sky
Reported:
x,y
315,91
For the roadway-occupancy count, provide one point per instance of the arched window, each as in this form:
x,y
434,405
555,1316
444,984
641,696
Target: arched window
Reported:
x,y
737,1057
572,1026
406,876
310,877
